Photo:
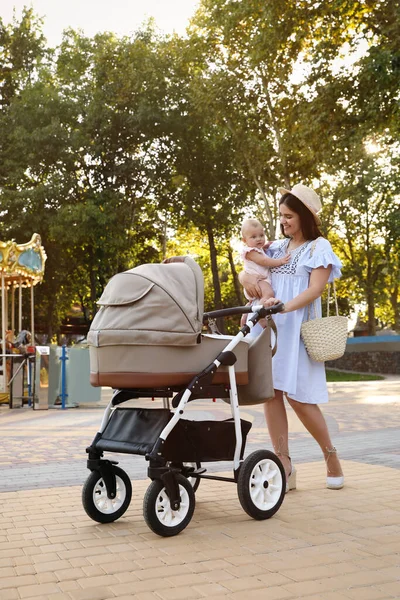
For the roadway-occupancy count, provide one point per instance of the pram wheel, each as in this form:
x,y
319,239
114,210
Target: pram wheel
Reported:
x,y
157,507
98,505
261,484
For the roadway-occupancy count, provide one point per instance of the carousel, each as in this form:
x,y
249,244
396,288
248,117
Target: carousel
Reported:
x,y
22,267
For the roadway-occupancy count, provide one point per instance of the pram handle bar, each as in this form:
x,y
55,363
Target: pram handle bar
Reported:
x,y
240,310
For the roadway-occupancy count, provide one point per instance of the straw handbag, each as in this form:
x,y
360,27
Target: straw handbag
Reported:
x,y
325,338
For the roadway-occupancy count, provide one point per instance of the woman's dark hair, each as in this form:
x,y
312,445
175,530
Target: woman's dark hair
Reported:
x,y
309,227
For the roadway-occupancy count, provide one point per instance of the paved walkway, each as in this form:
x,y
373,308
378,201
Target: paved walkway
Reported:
x,y
322,544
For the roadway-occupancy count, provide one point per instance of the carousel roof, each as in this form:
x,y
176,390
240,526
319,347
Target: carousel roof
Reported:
x,y
23,263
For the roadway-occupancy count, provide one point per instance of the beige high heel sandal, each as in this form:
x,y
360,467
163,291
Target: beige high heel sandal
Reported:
x,y
333,483
291,478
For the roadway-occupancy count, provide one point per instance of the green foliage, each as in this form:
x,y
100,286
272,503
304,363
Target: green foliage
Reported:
x,y
120,151
333,375
189,241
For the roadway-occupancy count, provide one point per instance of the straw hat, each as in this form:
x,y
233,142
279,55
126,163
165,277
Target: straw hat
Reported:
x,y
307,196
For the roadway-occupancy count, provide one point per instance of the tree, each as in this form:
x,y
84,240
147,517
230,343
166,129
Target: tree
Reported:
x,y
363,208
86,165
190,241
352,130
253,50
111,145
111,214
209,190
22,54
392,252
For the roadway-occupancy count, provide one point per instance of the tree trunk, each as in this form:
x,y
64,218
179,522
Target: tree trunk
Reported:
x,y
371,310
271,223
257,182
215,278
394,294
85,311
164,238
92,283
277,132
236,283
50,319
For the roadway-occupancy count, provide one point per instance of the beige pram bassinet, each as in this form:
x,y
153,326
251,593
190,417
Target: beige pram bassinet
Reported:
x,y
146,341
148,333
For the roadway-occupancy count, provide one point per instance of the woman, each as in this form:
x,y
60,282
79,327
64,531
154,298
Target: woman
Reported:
x,y
297,284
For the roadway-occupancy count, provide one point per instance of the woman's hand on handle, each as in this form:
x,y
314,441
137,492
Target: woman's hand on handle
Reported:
x,y
267,302
272,302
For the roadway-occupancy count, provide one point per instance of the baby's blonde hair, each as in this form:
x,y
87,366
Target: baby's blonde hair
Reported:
x,y
248,223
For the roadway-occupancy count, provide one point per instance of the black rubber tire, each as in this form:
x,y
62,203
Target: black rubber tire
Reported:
x,y
94,494
261,484
156,506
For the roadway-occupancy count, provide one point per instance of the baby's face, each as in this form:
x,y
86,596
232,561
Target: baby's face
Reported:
x,y
254,237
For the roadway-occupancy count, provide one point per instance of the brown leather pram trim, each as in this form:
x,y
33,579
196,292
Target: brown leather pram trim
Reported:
x,y
152,380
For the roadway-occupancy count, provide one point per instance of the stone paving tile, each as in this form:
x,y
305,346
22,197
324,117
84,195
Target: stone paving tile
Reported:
x,y
230,556
364,422
325,544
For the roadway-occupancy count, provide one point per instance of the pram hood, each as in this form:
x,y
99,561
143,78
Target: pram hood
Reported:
x,y
153,304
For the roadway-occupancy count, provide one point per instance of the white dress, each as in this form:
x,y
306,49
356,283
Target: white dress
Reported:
x,y
294,372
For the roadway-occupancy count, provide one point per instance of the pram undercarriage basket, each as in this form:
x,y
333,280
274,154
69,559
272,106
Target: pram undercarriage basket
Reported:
x,y
136,430
181,366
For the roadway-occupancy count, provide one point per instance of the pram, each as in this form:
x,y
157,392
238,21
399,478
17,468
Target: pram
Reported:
x,y
146,341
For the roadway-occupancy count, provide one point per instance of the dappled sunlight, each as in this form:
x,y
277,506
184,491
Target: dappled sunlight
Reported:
x,y
364,392
381,400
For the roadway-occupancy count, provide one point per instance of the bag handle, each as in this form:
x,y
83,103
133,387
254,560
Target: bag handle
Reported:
x,y
329,292
272,326
335,298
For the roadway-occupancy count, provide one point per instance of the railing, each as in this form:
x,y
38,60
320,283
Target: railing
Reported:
x,y
24,375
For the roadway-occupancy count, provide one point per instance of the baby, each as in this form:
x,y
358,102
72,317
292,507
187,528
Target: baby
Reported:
x,y
255,261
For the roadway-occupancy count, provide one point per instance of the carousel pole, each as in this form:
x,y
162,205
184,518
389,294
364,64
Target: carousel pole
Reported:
x,y
13,308
6,305
33,372
20,306
3,333
32,317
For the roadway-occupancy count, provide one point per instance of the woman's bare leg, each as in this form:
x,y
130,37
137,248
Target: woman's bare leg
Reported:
x,y
313,420
277,423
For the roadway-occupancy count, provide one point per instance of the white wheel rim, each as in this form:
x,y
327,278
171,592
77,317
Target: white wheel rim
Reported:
x,y
103,503
164,512
265,484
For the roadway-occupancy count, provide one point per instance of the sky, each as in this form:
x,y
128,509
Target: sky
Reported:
x,y
120,16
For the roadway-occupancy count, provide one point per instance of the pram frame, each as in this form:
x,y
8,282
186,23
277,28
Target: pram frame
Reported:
x,y
159,469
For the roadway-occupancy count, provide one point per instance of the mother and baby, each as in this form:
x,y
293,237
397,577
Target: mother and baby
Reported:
x,y
294,271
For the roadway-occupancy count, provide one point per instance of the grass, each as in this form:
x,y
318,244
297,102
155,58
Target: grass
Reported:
x,y
333,375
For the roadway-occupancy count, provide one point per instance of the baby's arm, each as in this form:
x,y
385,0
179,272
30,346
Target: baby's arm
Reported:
x,y
266,261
